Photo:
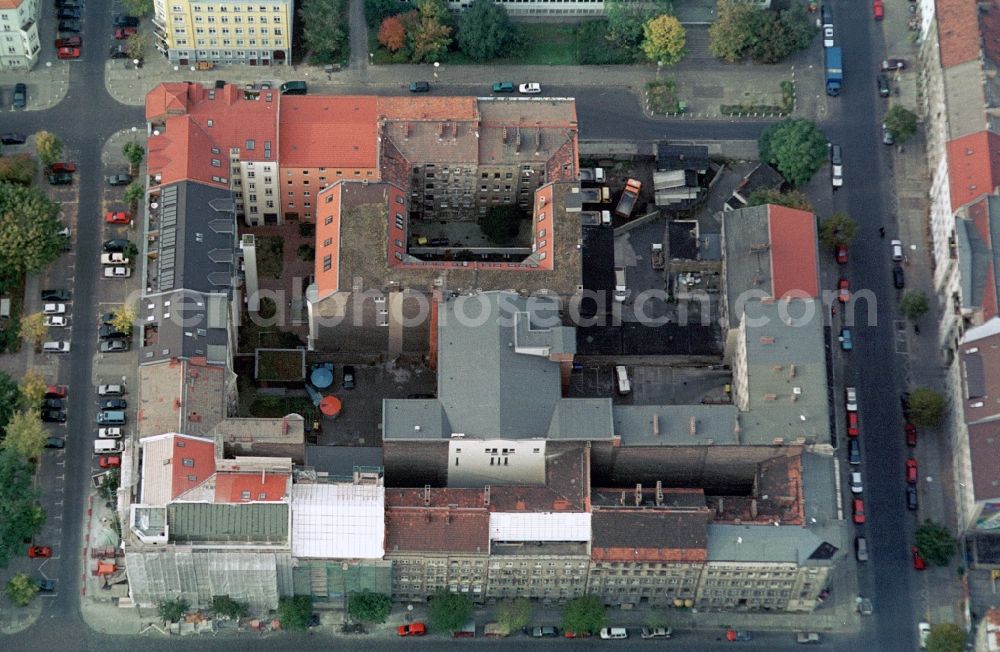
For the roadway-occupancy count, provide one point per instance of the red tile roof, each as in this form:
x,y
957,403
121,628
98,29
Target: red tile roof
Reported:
x,y
328,131
794,261
973,167
984,451
200,458
427,108
169,98
437,530
958,31
262,487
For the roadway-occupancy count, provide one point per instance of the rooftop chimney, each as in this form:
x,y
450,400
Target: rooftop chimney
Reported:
x,y
427,495
638,495
486,495
659,492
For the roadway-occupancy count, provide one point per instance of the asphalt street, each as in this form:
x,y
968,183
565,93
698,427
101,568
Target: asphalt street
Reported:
x,y
88,116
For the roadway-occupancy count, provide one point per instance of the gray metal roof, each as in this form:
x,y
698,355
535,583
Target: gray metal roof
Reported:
x,y
679,425
582,418
681,157
819,495
414,419
228,523
976,259
746,241
761,543
187,324
786,373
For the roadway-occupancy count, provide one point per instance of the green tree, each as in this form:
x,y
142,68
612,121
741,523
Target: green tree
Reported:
x,y
10,398
110,484
32,389
485,31
795,147
901,122
502,223
731,34
295,613
124,318
25,434
138,8
369,607
514,614
800,29
584,614
33,329
926,407
133,153
377,11
21,589
936,544
29,232
664,40
449,611
946,637
790,198
225,607
769,43
19,169
625,20
49,148
173,610
913,305
135,46
20,512
134,194
323,34
837,229
429,32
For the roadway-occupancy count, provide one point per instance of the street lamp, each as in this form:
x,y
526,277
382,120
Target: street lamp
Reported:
x,y
343,585
436,66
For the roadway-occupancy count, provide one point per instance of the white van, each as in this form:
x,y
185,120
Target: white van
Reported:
x,y
621,378
614,632
57,346
102,446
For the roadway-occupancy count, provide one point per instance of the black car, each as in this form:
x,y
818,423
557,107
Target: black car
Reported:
x,y
114,346
119,179
883,85
546,631
72,26
117,245
54,416
55,442
119,52
20,96
853,452
107,318
911,497
348,377
898,279
55,295
107,330
420,87
60,179
126,21
113,404
13,139
54,403
46,585
68,13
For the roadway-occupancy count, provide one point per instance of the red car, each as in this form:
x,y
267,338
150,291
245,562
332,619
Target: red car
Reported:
x,y
123,33
68,53
843,290
918,561
110,462
911,471
56,391
69,42
853,428
119,217
39,551
841,254
878,9
911,435
583,634
63,166
858,508
413,629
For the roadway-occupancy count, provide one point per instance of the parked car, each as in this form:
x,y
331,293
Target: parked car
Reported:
x,y
348,376
63,167
110,433
107,330
828,36
56,321
898,278
897,250
530,88
738,635
53,403
853,426
123,33
117,272
54,309
860,548
124,20
846,340
68,13
853,452
12,138
116,245
841,254
918,560
503,87
613,633
107,318
420,87
837,163
912,502
856,485
60,179
889,65
887,138
56,391
412,629
20,95
923,633
843,290
55,442
878,10
54,416
110,462
911,434
39,552
656,632
119,51
858,510
807,637
851,399
117,217
545,631
119,179
113,404
72,26
46,585
114,346
69,42
882,83
911,471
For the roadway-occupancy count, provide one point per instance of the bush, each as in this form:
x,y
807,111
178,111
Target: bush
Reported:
x,y
926,407
584,614
21,589
369,607
173,610
295,613
225,607
936,544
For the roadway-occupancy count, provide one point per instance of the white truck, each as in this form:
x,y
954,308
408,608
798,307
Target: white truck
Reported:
x,y
621,289
114,258
592,174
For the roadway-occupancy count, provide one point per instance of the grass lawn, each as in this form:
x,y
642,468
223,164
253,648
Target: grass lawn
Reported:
x,y
270,249
273,407
279,365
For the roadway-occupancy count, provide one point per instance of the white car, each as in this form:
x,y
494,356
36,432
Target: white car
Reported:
x,y
54,309
838,176
923,630
828,36
856,486
897,250
851,396
117,272
56,320
109,433
531,88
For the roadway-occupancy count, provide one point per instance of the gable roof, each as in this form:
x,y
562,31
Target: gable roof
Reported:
x,y
794,261
172,464
327,130
958,31
973,167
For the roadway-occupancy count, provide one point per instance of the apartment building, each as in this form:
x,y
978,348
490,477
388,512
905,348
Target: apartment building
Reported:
x,y
19,44
225,31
